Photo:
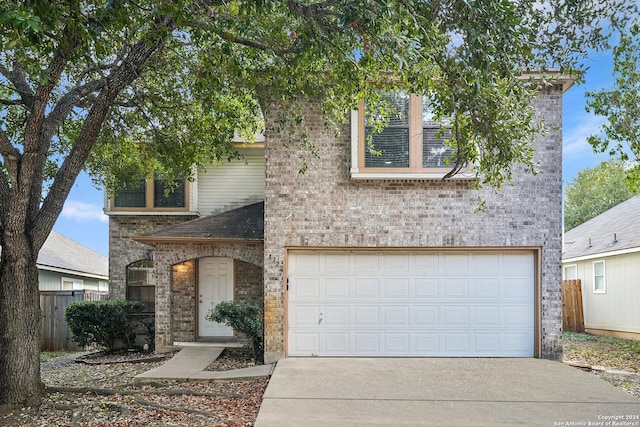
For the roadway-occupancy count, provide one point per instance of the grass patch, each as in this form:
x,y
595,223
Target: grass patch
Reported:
x,y
610,352
46,355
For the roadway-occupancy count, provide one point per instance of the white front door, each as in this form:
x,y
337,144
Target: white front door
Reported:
x,y
214,286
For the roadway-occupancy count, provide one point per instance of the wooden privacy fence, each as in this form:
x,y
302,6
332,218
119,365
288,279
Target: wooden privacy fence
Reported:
x,y
55,334
572,314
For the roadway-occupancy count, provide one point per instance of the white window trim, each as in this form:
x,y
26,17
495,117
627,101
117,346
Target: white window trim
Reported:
x,y
564,271
604,277
357,173
77,284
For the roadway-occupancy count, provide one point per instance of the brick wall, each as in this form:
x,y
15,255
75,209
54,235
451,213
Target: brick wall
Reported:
x,y
326,208
123,251
176,271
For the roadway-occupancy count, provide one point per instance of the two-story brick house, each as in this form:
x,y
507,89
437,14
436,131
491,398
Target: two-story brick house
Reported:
x,y
361,255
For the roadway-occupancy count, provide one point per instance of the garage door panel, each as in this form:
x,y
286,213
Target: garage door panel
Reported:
x,y
305,315
455,288
304,343
336,288
517,315
454,316
365,262
306,289
396,343
517,288
304,263
425,288
486,316
396,288
395,316
365,288
485,264
365,316
517,343
336,263
486,343
426,343
395,262
365,343
454,264
486,288
454,343
426,263
336,344
411,304
336,316
425,316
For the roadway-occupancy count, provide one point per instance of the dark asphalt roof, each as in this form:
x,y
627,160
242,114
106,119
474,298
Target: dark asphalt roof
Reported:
x,y
613,230
245,223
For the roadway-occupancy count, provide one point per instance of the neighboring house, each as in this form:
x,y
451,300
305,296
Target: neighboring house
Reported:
x,y
66,265
604,253
361,255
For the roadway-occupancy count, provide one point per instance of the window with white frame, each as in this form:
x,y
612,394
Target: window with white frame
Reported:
x,y
599,281
412,145
571,272
70,284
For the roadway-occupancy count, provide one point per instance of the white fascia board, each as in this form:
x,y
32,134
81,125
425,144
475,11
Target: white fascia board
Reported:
x,y
602,255
72,272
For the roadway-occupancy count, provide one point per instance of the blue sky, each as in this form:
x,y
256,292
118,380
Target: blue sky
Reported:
x,y
83,220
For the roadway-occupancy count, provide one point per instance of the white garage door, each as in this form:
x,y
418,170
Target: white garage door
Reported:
x,y
460,304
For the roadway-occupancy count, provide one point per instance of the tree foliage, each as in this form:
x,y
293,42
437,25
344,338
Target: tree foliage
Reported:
x,y
594,191
124,89
620,105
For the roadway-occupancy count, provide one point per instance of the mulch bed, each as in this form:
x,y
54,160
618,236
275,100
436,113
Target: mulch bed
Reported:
x,y
100,392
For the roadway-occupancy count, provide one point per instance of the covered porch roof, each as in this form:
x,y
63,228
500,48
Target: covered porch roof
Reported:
x,y
245,224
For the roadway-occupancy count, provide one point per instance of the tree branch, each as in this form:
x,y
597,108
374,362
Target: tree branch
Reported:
x,y
120,78
17,76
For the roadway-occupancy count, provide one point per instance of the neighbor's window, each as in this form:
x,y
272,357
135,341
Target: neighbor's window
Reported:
x,y
70,284
571,272
141,284
599,282
412,143
150,194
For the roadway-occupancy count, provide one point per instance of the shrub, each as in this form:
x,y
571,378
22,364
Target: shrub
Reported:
x,y
244,318
109,324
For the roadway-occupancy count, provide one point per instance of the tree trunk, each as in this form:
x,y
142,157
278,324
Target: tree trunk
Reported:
x,y
20,321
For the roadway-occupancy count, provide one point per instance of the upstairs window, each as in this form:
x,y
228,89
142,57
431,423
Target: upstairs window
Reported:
x,y
150,194
412,145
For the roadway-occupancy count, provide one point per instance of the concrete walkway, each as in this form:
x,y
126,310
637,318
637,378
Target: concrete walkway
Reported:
x,y
440,392
189,364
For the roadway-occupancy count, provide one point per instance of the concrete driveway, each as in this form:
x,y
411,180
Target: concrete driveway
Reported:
x,y
447,392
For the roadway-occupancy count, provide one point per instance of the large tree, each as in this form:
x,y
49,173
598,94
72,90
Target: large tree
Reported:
x,y
594,191
127,88
620,105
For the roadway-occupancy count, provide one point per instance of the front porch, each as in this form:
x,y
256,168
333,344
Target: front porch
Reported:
x,y
201,263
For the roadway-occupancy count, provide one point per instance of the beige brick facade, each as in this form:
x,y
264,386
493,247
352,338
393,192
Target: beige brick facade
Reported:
x,y
325,208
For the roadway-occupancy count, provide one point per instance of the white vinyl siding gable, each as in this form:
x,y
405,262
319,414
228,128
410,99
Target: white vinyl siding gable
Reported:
x,y
232,184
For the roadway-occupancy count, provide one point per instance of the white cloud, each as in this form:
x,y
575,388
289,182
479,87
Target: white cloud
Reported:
x,y
576,132
83,212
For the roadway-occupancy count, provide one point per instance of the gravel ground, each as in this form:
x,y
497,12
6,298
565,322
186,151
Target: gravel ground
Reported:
x,y
101,392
